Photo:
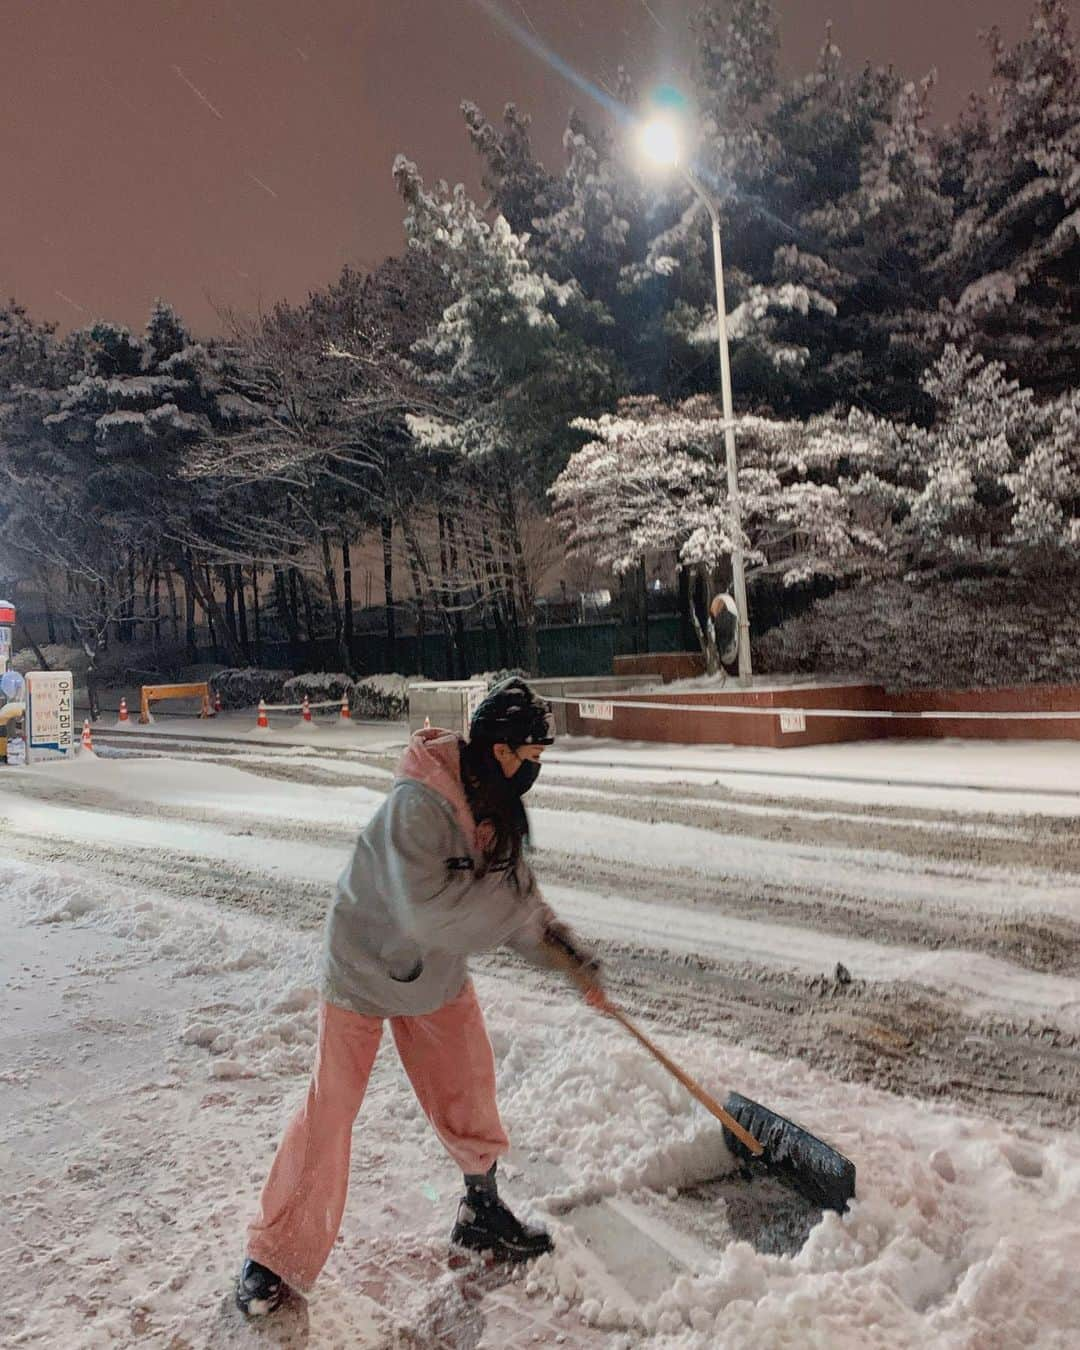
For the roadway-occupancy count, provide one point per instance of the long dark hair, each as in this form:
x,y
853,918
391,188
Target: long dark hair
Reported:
x,y
495,806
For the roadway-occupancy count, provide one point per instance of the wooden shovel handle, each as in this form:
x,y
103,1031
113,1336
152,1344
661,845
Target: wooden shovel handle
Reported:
x,y
694,1088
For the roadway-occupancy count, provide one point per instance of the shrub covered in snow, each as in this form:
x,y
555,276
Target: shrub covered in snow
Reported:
x,y
319,686
385,696
381,696
377,696
937,633
244,688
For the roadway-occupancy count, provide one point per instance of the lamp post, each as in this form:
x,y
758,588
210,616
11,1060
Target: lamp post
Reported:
x,y
660,141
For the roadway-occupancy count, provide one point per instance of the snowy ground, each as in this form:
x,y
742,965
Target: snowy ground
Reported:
x,y
161,914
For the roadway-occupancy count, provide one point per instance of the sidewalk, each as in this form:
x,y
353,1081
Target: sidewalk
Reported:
x,y
1049,768
1015,766
286,729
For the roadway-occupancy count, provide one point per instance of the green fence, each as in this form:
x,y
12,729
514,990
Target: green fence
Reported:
x,y
566,650
590,648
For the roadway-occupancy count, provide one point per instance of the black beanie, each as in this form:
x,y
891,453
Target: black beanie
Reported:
x,y
512,713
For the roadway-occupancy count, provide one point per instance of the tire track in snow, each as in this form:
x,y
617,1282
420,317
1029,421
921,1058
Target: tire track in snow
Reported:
x,y
895,1034
1041,942
883,898
978,982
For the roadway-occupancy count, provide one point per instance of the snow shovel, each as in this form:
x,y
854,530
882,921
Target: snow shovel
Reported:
x,y
752,1132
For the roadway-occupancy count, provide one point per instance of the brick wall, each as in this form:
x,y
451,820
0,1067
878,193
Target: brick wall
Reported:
x,y
679,726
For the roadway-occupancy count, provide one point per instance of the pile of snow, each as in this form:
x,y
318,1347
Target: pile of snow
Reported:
x,y
385,696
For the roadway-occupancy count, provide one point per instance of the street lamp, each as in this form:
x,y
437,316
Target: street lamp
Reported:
x,y
661,142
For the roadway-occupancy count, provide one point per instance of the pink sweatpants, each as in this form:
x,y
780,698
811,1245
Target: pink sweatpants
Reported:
x,y
448,1058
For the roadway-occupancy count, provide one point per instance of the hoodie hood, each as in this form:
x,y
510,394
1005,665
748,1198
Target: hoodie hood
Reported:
x,y
433,758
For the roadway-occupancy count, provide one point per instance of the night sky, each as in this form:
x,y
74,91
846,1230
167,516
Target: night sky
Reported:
x,y
235,152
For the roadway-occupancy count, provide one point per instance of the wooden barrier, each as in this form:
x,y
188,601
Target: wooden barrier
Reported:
x,y
154,693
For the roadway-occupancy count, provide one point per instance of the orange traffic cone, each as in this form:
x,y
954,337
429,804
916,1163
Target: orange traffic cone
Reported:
x,y
345,713
217,703
264,721
87,737
427,723
307,709
123,711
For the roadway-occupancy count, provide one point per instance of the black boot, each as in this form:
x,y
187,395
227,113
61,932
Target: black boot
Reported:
x,y
485,1224
258,1290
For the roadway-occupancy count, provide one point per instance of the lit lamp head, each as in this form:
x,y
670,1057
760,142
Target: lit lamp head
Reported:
x,y
661,132
660,141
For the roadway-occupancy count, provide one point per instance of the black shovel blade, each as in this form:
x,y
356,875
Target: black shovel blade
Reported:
x,y
824,1176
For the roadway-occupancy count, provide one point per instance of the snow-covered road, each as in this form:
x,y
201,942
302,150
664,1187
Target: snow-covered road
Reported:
x,y
162,917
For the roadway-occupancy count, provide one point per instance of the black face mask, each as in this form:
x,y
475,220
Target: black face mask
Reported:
x,y
524,776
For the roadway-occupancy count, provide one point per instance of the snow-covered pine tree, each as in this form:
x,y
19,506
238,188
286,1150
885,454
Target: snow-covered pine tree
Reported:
x,y
30,352
590,225
521,189
166,335
105,451
1013,265
832,211
131,404
738,46
868,241
503,378
996,476
1046,490
732,152
497,357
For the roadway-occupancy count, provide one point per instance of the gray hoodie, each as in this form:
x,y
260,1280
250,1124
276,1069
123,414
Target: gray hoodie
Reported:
x,y
411,896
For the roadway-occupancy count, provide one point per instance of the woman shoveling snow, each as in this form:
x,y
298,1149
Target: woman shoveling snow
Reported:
x,y
437,874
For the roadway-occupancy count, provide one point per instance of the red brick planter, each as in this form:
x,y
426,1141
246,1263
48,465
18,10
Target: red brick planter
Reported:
x,y
666,666
675,721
